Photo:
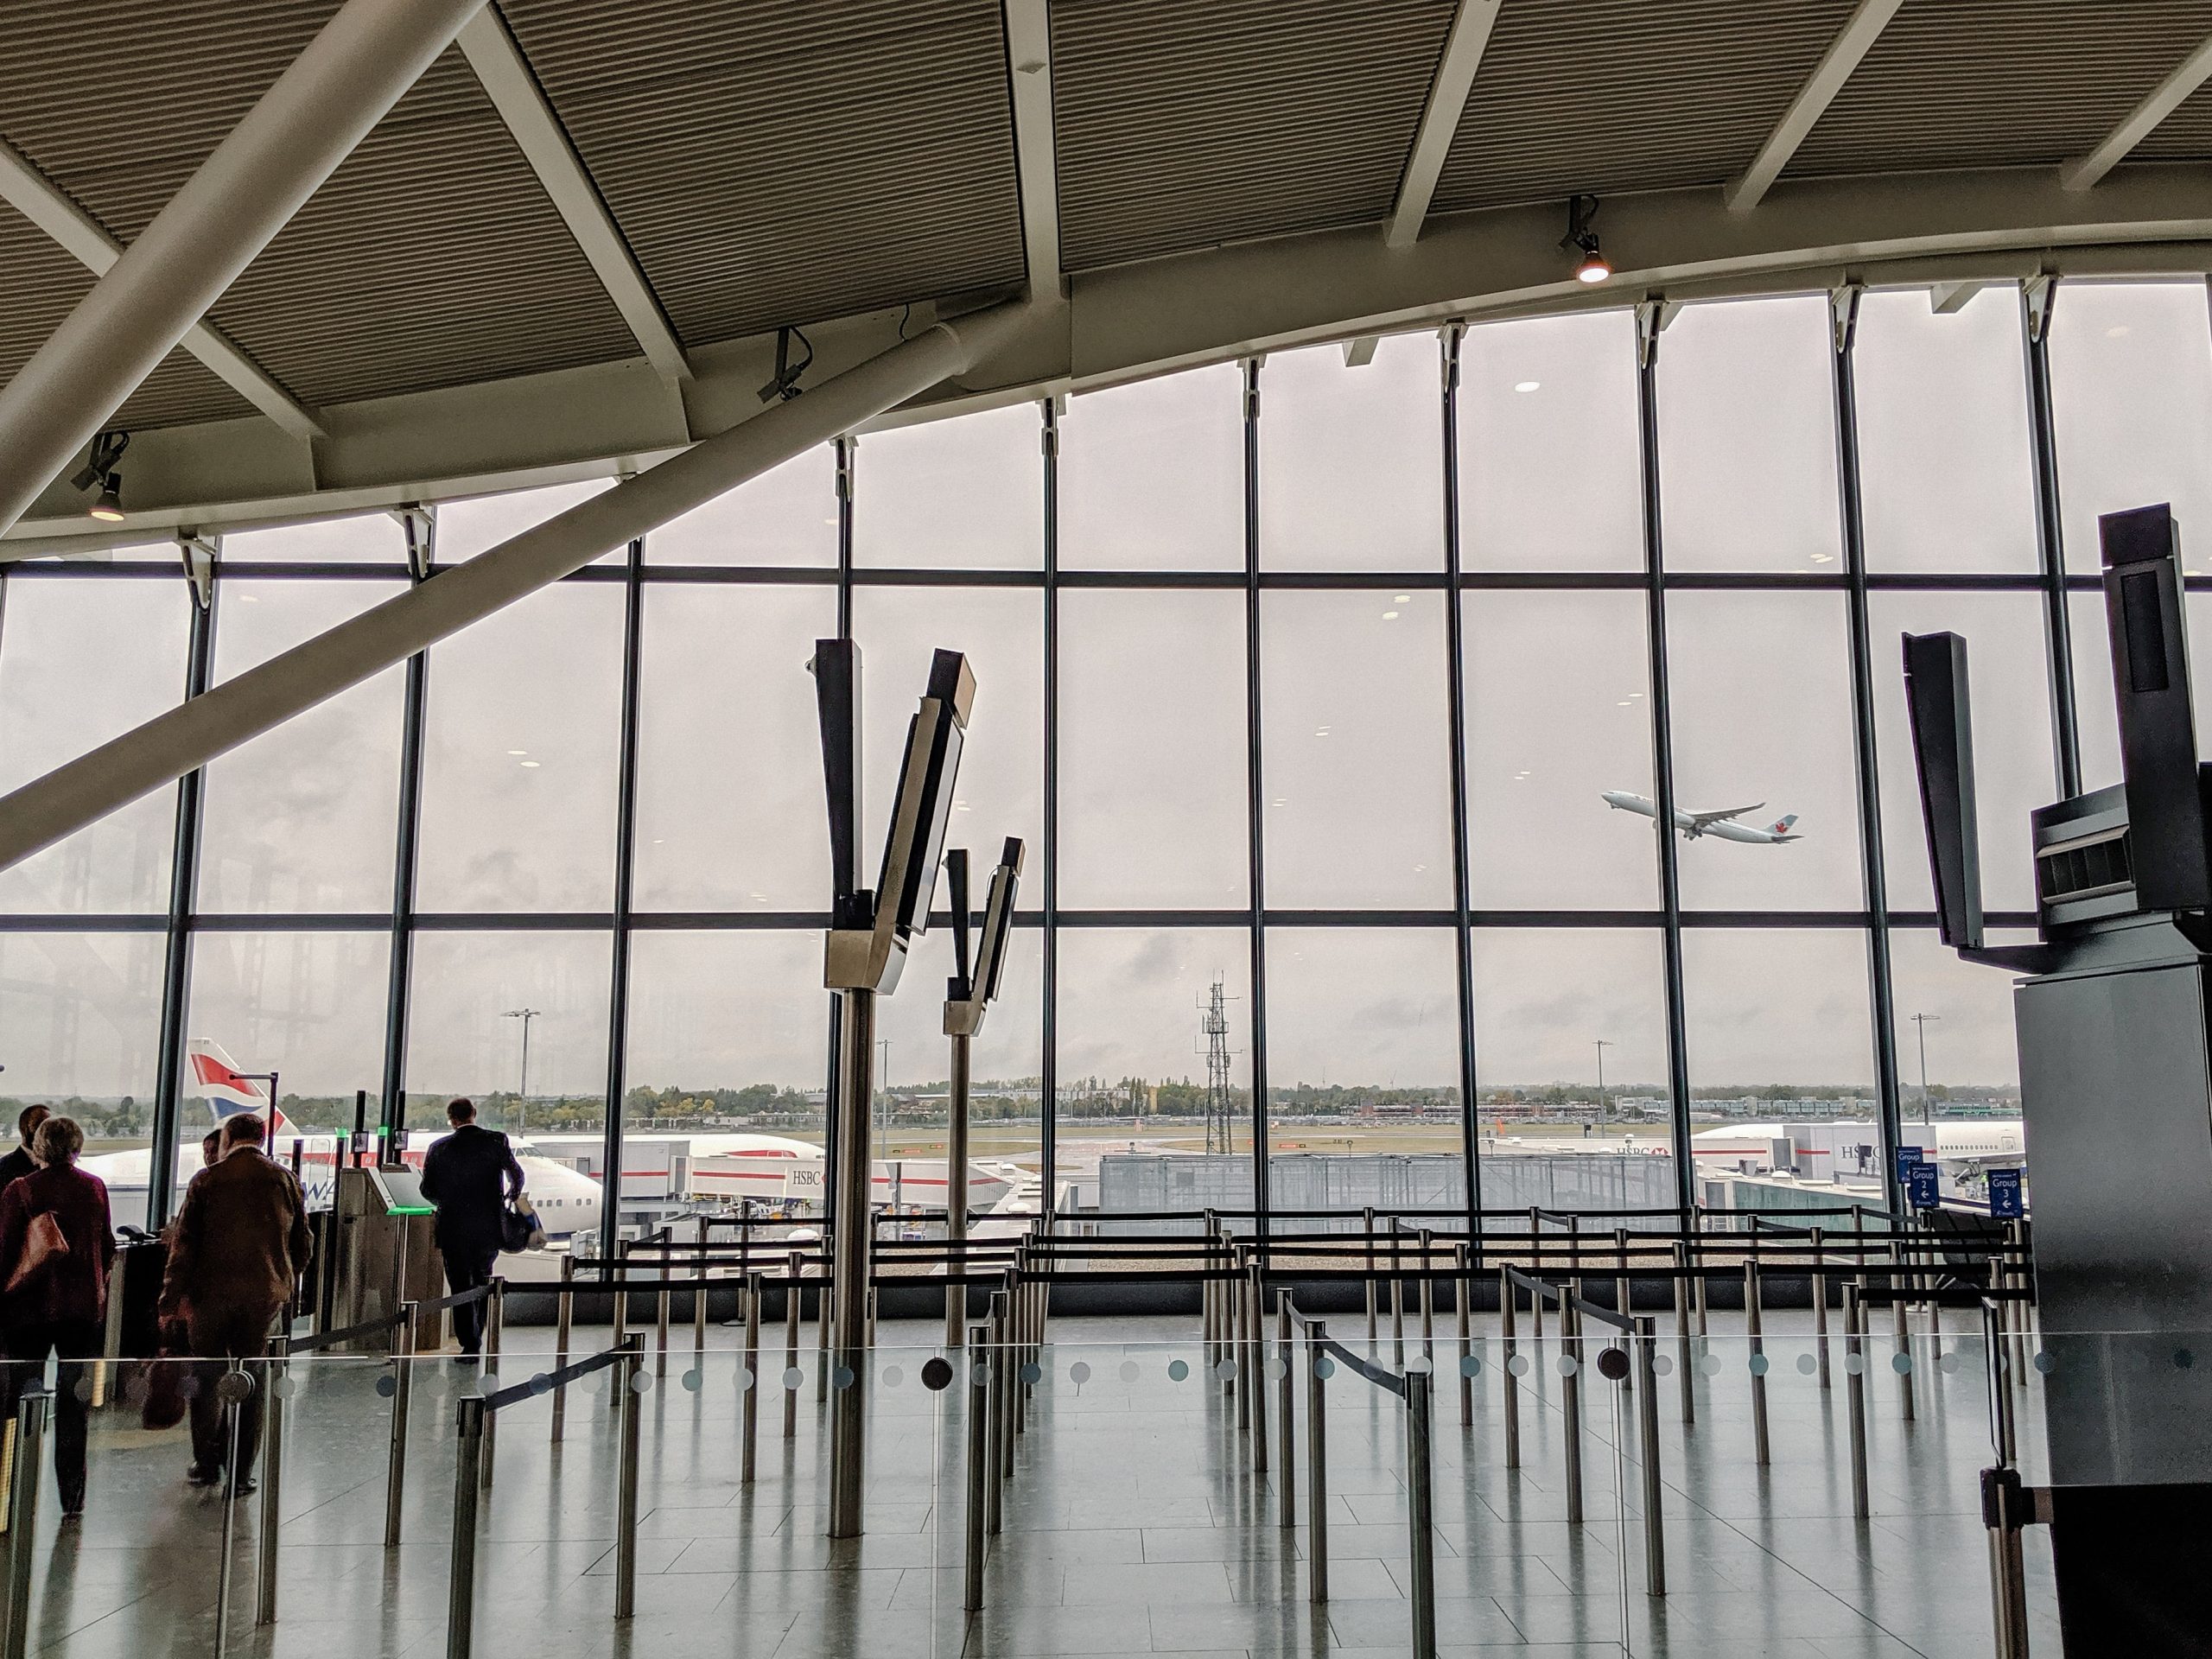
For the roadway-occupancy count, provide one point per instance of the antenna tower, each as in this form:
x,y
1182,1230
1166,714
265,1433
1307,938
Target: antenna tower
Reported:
x,y
1214,1023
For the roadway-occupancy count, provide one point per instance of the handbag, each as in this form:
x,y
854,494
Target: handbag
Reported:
x,y
43,1246
519,1228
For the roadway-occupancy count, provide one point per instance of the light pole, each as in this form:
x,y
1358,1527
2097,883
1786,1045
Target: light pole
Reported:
x,y
522,1091
1603,1116
1921,1021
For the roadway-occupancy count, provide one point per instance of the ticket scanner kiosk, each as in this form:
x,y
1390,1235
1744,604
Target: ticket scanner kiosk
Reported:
x,y
2113,1018
384,1252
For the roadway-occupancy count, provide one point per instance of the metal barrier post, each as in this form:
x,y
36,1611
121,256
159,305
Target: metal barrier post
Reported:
x,y
1463,1293
1509,1346
1397,1300
1647,1437
1317,1466
1232,1291
1621,1287
660,1336
792,1313
1007,1368
32,1412
979,1485
1682,1330
2017,1238
1209,1294
272,1481
629,1374
1820,1304
751,1409
1758,1345
1419,1522
1899,1295
1427,1303
495,1324
1570,1394
825,1310
699,1303
1854,1366
1367,1226
996,1367
467,1473
1257,1383
2000,1385
2005,1508
1285,1470
403,1396
563,1317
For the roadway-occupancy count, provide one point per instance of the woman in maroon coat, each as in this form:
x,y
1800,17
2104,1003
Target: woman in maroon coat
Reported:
x,y
53,1299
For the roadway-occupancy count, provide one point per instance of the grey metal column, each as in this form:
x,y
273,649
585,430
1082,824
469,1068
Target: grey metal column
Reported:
x,y
955,1191
1455,682
421,528
2037,295
625,863
467,1478
849,1264
307,122
1662,747
177,966
1419,1520
1255,799
1049,1060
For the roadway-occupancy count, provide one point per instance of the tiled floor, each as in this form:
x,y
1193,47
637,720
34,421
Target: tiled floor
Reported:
x,y
1133,1525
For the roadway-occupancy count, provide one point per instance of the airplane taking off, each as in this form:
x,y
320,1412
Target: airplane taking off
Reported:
x,y
1723,825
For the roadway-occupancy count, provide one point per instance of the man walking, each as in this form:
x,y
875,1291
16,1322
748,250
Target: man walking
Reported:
x,y
240,1240
470,1176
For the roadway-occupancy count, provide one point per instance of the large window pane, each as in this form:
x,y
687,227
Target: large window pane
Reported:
x,y
83,1017
730,804
374,537
309,1007
1549,478
966,493
1001,788
2131,392
303,817
468,528
1151,475
1153,750
82,661
1945,479
1355,750
466,1031
1966,1042
1558,713
1136,1096
1560,1121
1352,460
518,780
1364,1070
1761,715
787,515
1747,437
1778,1022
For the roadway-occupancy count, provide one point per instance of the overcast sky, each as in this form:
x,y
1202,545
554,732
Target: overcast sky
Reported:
x,y
523,738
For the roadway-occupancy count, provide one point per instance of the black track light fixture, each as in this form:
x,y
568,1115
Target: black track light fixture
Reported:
x,y
99,469
785,384
1591,264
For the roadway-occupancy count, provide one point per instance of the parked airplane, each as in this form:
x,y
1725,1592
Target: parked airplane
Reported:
x,y
1723,825
1853,1146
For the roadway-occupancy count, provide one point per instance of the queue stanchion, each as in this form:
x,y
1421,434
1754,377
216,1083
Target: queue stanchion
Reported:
x,y
1682,1330
1623,1291
1257,1382
1646,1434
34,1410
793,1310
235,1390
825,1310
1004,1369
1420,1515
1820,1304
979,1485
630,1377
274,1369
699,1302
467,1477
1427,1298
660,1321
1756,1343
1367,1226
1316,1465
749,1380
1397,1301
1570,1396
1462,1295
403,1396
563,1318
2001,1386
1285,1470
495,1322
1900,1321
1854,1366
1510,1351
994,1427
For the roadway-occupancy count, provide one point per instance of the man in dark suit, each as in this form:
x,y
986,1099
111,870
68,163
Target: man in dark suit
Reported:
x,y
236,1250
19,1161
470,1176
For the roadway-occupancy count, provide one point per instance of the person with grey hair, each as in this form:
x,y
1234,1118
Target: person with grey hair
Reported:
x,y
57,1246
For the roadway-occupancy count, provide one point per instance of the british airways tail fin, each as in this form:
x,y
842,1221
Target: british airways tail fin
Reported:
x,y
216,1078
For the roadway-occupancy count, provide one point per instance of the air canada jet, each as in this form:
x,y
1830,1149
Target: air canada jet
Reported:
x,y
1723,825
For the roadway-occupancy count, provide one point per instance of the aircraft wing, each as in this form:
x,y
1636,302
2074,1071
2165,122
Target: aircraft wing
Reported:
x,y
1703,818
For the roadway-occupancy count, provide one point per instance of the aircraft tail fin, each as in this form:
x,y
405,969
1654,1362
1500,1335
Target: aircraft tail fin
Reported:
x,y
216,1078
1781,826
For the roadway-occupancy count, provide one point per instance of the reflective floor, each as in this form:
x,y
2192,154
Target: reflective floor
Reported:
x,y
1134,1522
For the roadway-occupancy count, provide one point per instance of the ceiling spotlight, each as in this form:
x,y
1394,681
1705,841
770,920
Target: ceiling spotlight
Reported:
x,y
109,508
99,469
1591,264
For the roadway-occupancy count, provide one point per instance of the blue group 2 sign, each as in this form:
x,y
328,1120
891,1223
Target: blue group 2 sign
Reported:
x,y
1919,1181
2005,1197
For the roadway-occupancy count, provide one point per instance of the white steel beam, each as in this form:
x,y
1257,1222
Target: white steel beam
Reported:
x,y
1440,121
492,53
1858,33
307,122
1029,64
165,748
29,190
2165,98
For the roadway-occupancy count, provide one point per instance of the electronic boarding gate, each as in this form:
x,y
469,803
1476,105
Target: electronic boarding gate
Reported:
x,y
2114,1028
865,951
966,997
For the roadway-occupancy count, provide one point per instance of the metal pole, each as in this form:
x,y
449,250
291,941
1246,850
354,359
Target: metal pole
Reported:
x,y
851,1235
1317,1466
1419,1523
1367,1226
750,1410
1683,1329
403,1396
1570,1391
660,1338
699,1305
630,1373
272,1482
1286,1466
468,1475
995,1362
1510,1347
1008,1370
1256,1322
2017,1238
1621,1291
1902,1329
2000,1388
1462,1295
2003,1500
1647,1437
791,1312
1756,1343
33,1411
1820,1304
495,1322
1427,1303
1397,1301
955,1193
1854,1366
563,1317
980,1485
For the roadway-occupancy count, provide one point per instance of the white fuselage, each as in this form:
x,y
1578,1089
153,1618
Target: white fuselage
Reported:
x,y
1694,826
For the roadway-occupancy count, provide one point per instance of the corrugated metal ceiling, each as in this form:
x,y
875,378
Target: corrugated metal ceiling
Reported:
x,y
1184,122
1999,83
783,161
1613,95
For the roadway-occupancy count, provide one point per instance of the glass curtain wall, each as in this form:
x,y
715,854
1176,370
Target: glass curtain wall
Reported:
x,y
1322,695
